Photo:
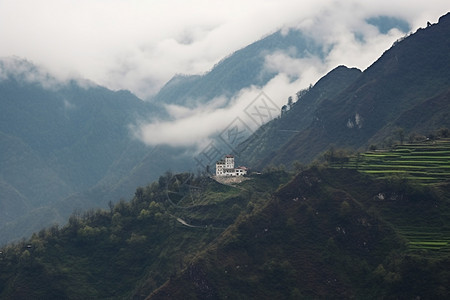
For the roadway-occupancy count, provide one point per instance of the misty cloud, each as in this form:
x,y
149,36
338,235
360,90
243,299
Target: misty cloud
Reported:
x,y
140,45
197,127
19,69
346,38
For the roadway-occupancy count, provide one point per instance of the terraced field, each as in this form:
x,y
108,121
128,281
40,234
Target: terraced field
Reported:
x,y
426,239
425,163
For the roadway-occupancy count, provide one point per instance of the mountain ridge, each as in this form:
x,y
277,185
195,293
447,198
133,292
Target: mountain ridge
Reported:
x,y
411,72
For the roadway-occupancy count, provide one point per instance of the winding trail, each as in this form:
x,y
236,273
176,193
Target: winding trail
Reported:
x,y
186,224
183,222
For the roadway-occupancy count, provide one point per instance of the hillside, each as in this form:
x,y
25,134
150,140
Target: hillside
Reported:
x,y
325,232
425,163
135,246
326,235
407,88
272,136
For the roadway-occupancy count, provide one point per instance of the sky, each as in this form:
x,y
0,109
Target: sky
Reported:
x,y
139,45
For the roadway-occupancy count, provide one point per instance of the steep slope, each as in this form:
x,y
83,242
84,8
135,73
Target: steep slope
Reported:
x,y
26,172
272,136
410,79
324,235
134,247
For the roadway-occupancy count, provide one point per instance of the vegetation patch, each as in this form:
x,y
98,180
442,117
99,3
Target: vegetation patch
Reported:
x,y
426,163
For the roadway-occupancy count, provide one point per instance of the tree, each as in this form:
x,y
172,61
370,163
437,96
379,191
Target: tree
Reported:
x,y
401,135
302,93
444,132
298,166
290,101
139,194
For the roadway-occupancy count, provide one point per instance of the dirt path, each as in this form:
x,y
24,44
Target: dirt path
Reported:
x,y
186,224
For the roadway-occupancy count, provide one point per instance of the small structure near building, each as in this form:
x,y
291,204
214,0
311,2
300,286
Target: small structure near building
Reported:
x,y
225,168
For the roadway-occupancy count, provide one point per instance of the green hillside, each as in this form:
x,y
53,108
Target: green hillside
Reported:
x,y
326,234
421,165
424,163
132,248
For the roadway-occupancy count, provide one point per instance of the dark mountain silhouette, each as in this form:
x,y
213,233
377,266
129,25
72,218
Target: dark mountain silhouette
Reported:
x,y
408,82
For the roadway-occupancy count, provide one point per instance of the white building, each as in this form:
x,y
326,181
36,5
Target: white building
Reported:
x,y
225,167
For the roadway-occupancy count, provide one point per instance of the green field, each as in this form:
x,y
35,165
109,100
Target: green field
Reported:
x,y
426,239
425,163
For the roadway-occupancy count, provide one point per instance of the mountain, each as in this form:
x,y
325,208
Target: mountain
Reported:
x,y
132,248
247,67
244,68
68,145
331,230
410,81
65,143
270,137
325,234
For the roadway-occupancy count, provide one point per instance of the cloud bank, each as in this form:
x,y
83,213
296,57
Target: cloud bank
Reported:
x,y
139,45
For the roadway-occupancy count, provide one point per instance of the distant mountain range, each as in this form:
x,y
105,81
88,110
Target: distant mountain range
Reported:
x,y
241,69
246,67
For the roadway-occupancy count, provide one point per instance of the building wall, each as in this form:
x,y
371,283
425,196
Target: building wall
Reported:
x,y
226,168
